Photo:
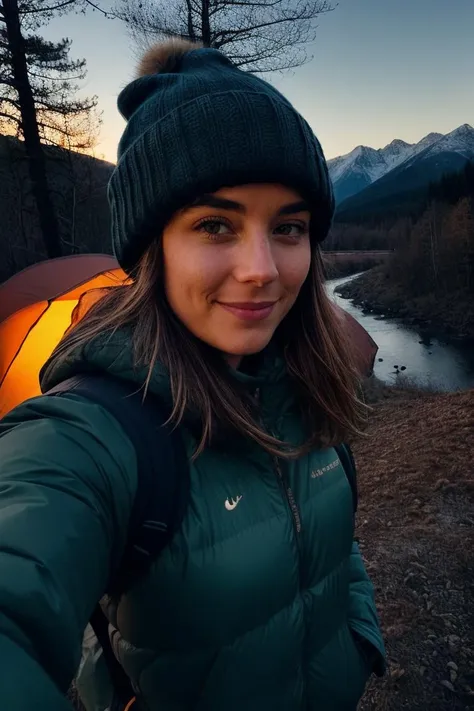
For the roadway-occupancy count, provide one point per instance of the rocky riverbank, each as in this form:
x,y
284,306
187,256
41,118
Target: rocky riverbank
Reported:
x,y
416,530
451,318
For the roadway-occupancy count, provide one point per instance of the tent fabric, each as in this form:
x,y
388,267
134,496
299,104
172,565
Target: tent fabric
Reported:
x,y
39,304
364,348
29,335
20,379
15,328
45,280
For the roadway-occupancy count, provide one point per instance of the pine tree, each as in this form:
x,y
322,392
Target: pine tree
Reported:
x,y
38,104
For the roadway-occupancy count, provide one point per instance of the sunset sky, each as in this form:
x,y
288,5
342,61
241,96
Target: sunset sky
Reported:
x,y
382,69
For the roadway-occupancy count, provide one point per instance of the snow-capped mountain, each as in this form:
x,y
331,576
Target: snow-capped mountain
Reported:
x,y
460,141
363,166
426,162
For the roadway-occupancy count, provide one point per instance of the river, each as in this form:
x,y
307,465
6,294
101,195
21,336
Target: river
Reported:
x,y
432,362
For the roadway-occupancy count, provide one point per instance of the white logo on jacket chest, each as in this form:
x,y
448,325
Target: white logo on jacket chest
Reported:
x,y
232,503
320,472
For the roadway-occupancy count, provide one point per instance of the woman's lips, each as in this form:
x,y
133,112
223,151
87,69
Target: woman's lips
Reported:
x,y
251,310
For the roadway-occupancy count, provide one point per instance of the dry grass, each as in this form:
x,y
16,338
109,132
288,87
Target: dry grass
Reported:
x,y
416,526
406,389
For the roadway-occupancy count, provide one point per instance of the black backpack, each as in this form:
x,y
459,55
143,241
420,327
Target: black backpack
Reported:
x,y
160,501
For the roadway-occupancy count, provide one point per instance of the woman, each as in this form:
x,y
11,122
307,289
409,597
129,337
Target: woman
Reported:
x,y
219,201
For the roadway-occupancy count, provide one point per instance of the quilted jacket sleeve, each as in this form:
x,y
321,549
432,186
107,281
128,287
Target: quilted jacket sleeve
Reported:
x,y
67,483
363,618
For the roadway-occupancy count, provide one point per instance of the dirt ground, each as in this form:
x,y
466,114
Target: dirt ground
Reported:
x,y
416,530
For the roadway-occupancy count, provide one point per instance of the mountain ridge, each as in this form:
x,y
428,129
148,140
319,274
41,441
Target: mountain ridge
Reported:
x,y
356,171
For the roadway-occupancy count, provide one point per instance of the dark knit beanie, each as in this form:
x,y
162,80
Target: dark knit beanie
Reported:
x,y
195,124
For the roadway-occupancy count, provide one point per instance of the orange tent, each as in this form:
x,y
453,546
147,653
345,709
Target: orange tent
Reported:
x,y
35,310
36,306
51,278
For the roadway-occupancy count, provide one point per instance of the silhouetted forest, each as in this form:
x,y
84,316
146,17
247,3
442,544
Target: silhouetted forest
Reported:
x,y
430,276
453,186
78,187
435,253
433,244
372,223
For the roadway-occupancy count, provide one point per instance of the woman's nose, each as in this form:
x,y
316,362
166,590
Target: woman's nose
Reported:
x,y
256,262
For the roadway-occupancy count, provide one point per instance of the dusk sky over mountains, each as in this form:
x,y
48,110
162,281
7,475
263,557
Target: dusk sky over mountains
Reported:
x,y
382,69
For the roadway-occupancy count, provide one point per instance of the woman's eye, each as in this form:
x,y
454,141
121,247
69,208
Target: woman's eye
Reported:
x,y
214,227
291,229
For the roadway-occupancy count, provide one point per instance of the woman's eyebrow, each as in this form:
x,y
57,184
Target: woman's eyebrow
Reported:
x,y
294,207
217,202
224,204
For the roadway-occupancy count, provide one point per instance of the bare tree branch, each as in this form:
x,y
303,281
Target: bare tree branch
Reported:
x,y
9,118
35,75
9,100
51,8
109,15
258,35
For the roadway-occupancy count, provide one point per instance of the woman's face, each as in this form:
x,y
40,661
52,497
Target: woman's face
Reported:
x,y
235,262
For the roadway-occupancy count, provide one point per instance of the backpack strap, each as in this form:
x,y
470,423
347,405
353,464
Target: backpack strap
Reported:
x,y
161,495
346,457
162,466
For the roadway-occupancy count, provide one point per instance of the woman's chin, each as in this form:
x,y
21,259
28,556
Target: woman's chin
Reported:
x,y
247,348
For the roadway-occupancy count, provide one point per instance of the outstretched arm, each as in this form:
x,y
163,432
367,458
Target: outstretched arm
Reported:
x,y
67,484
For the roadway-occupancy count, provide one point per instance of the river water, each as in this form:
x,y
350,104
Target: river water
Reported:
x,y
430,362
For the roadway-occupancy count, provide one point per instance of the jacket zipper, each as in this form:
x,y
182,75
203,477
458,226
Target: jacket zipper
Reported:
x,y
296,519
287,490
288,495
290,499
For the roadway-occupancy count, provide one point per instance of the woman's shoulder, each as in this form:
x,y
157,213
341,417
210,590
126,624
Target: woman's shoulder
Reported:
x,y
67,432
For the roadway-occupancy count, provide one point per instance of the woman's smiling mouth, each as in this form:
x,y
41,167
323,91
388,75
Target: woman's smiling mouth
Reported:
x,y
249,310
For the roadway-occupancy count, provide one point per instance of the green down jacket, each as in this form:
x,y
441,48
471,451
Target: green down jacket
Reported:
x,y
256,606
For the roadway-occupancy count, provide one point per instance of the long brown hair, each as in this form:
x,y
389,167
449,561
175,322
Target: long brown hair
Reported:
x,y
313,341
